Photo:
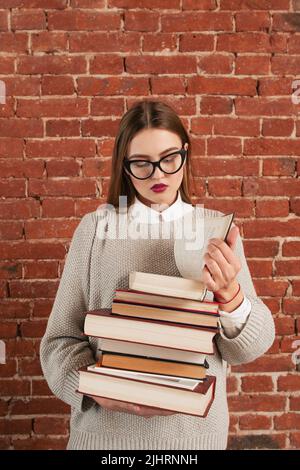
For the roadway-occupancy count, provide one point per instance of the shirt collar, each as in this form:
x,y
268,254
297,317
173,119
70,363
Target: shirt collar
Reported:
x,y
144,214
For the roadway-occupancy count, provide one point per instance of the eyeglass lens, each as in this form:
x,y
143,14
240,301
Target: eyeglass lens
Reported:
x,y
144,169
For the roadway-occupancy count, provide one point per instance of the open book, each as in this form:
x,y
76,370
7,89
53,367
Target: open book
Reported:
x,y
194,401
190,262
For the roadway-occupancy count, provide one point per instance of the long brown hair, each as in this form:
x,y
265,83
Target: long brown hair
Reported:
x,y
145,114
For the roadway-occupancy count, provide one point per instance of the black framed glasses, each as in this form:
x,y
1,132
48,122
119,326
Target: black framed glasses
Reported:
x,y
143,169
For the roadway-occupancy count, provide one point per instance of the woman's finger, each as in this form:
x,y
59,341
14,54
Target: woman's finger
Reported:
x,y
227,253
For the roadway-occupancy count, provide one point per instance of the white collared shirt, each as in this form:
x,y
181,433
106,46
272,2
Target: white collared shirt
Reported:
x,y
231,322
146,214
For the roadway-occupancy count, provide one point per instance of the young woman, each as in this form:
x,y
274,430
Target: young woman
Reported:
x,y
151,167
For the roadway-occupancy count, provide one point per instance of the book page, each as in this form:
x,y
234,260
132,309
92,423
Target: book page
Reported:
x,y
189,260
169,380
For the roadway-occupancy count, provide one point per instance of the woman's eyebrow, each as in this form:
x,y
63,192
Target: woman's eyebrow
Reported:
x,y
147,156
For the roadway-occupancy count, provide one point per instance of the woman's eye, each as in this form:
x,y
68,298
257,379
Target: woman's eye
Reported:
x,y
141,164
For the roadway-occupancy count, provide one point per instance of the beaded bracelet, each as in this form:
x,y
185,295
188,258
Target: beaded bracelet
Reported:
x,y
232,297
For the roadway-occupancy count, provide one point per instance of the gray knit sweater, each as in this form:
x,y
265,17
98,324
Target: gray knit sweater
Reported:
x,y
96,265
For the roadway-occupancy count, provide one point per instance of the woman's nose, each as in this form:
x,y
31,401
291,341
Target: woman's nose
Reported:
x,y
160,172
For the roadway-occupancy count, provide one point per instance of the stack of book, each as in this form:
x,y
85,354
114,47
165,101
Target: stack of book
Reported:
x,y
153,344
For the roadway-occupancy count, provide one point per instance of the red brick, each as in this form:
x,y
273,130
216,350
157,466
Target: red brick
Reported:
x,y
21,127
3,21
22,86
286,268
63,128
58,207
106,107
100,167
17,168
236,127
291,305
60,148
9,369
232,187
35,443
10,270
51,426
252,65
162,64
114,85
257,383
287,421
244,42
269,209
253,403
16,209
266,364
232,384
295,403
194,42
40,388
14,388
261,106
17,43
52,107
19,348
277,127
32,250
28,19
267,228
279,167
40,406
253,21
285,326
29,367
31,289
15,426
164,85
105,42
59,64
197,21
11,148
222,86
271,287
41,269
8,330
295,282
62,168
263,5
295,205
251,421
49,41
216,64
288,383
295,439
76,187
285,21
216,105
73,20
106,63
57,85
34,329
275,86
141,21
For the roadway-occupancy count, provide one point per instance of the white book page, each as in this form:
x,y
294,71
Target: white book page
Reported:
x,y
170,380
189,258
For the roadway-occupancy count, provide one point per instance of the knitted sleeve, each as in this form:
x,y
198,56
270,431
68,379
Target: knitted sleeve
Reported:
x,y
258,333
64,348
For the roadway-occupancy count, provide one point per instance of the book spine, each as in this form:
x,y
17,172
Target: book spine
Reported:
x,y
153,358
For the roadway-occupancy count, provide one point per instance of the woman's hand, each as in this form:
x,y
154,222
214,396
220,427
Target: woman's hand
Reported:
x,y
222,265
122,406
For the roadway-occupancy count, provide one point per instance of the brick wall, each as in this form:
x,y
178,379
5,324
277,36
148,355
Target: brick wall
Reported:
x,y
71,69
